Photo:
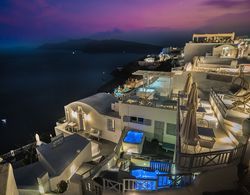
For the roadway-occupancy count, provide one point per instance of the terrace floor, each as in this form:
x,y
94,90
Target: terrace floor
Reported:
x,y
222,140
156,94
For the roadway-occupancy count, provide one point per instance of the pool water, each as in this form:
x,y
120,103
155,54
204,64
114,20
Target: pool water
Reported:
x,y
133,137
152,180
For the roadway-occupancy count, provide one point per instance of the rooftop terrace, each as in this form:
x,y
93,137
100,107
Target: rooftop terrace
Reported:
x,y
214,147
156,94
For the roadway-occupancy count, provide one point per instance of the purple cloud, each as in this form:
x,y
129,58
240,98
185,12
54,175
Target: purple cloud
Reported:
x,y
228,3
228,23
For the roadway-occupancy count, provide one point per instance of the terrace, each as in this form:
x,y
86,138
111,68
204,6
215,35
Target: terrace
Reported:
x,y
135,172
214,146
155,92
221,69
214,38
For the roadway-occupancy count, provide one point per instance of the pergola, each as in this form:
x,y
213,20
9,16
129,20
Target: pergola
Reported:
x,y
217,35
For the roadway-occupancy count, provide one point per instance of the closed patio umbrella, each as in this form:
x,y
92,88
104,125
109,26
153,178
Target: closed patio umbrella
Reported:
x,y
187,86
193,96
189,132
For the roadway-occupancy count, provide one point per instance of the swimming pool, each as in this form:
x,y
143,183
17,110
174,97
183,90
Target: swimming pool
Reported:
x,y
133,137
152,180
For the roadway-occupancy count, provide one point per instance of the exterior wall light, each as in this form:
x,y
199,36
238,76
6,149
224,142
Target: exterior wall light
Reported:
x,y
74,114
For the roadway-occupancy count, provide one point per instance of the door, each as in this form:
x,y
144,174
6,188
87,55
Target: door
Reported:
x,y
159,130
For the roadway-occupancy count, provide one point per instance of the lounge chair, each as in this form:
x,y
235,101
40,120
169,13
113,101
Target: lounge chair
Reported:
x,y
243,100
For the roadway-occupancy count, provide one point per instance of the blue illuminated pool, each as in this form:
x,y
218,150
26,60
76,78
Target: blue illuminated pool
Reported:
x,y
133,137
152,180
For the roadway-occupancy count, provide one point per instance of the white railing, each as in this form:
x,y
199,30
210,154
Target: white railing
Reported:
x,y
163,181
112,185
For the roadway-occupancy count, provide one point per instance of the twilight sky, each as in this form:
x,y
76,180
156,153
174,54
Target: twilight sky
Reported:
x,y
37,21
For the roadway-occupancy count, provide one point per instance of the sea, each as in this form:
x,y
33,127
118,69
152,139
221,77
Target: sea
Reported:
x,y
35,85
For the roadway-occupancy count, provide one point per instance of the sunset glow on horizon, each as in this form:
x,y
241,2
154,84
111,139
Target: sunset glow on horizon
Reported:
x,y
40,20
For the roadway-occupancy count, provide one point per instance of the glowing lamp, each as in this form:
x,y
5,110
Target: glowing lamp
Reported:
x,y
74,114
87,117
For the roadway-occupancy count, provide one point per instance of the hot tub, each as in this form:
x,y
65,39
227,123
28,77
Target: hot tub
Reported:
x,y
133,141
150,180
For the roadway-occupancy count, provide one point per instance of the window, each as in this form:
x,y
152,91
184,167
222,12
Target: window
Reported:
x,y
140,120
133,119
111,124
137,120
171,129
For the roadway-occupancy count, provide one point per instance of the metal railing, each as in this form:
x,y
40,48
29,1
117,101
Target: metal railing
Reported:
x,y
219,103
210,159
15,152
92,172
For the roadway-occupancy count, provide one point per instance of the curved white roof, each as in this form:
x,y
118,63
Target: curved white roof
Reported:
x,y
101,102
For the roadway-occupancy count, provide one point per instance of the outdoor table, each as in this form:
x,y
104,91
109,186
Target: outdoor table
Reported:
x,y
206,131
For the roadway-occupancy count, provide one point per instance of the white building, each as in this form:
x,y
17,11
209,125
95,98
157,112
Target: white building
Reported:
x,y
57,161
149,108
7,180
92,114
223,45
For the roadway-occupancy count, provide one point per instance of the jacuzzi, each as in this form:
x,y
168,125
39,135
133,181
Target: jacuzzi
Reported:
x,y
150,180
133,142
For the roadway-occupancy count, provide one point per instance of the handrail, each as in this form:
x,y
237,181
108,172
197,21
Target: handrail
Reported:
x,y
145,157
217,99
212,159
130,183
91,172
16,151
112,185
175,181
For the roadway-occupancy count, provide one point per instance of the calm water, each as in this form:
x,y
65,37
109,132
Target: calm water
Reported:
x,y
35,85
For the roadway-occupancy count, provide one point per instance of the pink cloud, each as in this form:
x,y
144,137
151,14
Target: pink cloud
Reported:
x,y
48,18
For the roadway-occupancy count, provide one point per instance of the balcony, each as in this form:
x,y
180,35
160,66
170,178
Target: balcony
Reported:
x,y
222,149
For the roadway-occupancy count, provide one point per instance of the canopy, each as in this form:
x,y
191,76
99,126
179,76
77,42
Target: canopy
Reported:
x,y
188,132
188,83
193,96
